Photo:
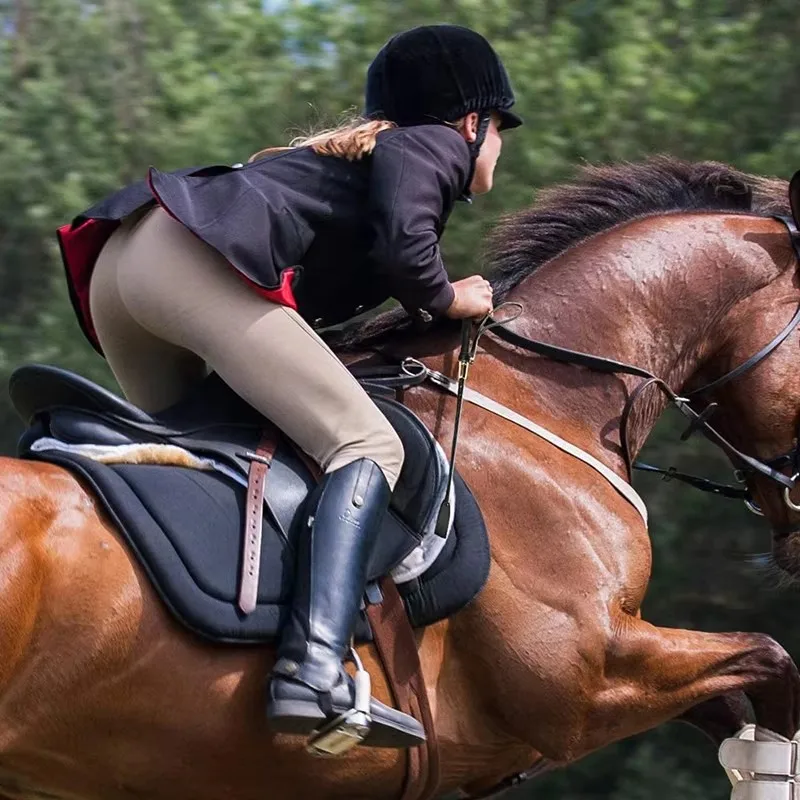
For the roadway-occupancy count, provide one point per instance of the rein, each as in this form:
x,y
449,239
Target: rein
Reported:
x,y
698,421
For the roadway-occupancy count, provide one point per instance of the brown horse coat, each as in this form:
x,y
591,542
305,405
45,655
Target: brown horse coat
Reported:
x,y
104,696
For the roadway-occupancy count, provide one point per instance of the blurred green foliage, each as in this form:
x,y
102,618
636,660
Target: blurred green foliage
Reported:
x,y
91,93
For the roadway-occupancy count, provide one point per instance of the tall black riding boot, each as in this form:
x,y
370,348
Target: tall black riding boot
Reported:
x,y
310,688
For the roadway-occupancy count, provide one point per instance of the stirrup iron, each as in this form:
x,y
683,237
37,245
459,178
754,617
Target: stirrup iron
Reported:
x,y
349,729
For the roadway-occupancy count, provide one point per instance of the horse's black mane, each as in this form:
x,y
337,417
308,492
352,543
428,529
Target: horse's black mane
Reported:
x,y
600,198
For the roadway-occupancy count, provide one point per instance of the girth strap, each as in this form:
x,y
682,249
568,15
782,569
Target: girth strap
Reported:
x,y
260,462
397,648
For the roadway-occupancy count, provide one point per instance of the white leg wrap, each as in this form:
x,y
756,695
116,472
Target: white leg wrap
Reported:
x,y
762,765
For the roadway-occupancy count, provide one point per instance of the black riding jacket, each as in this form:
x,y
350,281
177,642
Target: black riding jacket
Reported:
x,y
355,233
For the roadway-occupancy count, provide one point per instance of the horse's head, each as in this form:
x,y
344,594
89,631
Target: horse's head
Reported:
x,y
759,408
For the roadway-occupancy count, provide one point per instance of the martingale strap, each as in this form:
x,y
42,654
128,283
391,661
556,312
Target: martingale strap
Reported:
x,y
478,399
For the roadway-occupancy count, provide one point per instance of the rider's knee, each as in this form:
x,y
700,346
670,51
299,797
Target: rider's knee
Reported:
x,y
381,444
389,454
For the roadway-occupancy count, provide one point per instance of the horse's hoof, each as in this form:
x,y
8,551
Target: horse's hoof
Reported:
x,y
296,708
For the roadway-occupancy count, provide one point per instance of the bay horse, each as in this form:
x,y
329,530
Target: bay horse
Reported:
x,y
674,267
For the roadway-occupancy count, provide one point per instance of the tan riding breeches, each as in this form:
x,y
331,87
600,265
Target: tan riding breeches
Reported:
x,y
167,308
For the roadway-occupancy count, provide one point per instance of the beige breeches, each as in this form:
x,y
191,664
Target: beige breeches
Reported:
x,y
167,308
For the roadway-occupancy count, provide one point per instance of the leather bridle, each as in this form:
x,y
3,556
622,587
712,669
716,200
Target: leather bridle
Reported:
x,y
698,421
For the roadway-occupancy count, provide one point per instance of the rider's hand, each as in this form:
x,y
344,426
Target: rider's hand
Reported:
x,y
473,298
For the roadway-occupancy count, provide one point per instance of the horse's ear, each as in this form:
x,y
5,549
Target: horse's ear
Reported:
x,y
794,197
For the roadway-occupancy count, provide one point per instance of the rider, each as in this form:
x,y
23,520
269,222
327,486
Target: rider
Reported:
x,y
223,269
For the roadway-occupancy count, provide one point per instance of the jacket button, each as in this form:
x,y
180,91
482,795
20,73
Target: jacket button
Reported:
x,y
358,309
424,315
318,323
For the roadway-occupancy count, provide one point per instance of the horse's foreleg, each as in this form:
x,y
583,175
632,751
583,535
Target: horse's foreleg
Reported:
x,y
659,674
721,717
653,675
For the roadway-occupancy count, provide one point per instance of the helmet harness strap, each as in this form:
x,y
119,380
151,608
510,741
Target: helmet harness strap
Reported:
x,y
475,150
483,129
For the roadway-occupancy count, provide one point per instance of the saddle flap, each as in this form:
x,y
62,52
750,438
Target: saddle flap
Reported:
x,y
215,422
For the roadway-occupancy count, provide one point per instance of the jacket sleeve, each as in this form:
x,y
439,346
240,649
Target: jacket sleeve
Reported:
x,y
417,175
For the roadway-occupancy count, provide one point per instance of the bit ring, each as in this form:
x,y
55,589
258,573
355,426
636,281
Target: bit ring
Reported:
x,y
787,497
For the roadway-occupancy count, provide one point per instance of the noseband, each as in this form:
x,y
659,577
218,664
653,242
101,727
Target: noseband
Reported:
x,y
698,421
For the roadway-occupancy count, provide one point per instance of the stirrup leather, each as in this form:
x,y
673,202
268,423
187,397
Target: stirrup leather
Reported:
x,y
349,729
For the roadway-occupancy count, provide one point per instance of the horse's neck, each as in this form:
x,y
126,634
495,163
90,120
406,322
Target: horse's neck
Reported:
x,y
651,293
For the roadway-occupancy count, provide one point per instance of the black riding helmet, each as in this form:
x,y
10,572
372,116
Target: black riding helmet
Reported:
x,y
439,73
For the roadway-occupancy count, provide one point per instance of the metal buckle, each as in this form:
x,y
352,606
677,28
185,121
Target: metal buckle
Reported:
x,y
440,380
740,476
249,455
753,508
413,367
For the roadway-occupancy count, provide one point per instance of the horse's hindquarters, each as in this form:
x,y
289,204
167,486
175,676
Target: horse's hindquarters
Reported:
x,y
103,694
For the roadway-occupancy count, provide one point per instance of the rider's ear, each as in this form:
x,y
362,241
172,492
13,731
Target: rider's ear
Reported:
x,y
468,127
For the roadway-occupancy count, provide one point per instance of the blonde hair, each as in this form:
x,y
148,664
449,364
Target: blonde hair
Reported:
x,y
352,140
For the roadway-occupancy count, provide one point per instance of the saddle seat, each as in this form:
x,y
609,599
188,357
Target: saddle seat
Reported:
x,y
185,524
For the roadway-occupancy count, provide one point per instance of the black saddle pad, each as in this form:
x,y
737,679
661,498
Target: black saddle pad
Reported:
x,y
184,526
